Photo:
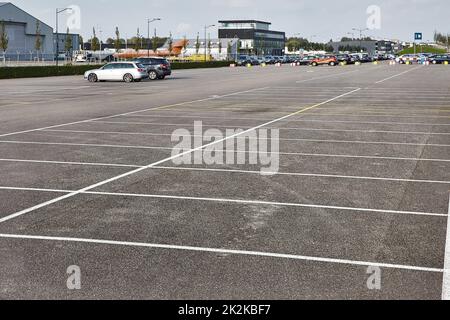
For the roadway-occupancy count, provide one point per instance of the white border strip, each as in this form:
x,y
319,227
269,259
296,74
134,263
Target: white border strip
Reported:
x,y
446,276
223,251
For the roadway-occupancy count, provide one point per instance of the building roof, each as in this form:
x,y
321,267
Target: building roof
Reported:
x,y
9,3
244,21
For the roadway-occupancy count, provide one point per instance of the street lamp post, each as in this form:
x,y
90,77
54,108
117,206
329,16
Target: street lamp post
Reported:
x,y
206,30
148,34
360,35
58,11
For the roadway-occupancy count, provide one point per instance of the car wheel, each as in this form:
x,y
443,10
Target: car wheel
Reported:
x,y
153,75
92,77
332,64
128,78
434,62
314,64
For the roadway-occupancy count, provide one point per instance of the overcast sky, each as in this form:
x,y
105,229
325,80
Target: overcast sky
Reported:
x,y
324,19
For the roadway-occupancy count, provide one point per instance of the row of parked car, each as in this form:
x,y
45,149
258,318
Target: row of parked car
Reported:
x,y
152,68
423,58
313,60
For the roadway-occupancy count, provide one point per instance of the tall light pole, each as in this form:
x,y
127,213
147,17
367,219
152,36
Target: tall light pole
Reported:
x,y
58,11
148,34
360,35
206,30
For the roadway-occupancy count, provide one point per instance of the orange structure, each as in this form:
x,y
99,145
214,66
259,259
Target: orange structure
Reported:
x,y
177,48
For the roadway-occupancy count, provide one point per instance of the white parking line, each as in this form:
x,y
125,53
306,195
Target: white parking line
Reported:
x,y
183,125
35,189
181,154
372,115
299,174
328,76
85,191
170,148
199,117
125,114
72,163
446,276
398,75
223,251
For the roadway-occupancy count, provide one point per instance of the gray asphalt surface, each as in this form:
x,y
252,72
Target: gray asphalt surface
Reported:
x,y
363,181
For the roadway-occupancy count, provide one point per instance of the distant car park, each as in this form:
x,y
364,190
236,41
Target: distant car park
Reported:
x,y
118,71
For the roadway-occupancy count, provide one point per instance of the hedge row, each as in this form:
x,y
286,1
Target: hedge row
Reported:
x,y
195,65
51,71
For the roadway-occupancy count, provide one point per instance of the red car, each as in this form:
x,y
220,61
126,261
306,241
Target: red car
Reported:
x,y
322,60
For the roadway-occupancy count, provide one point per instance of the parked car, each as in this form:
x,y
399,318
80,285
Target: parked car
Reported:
x,y
254,61
345,58
365,58
118,71
439,59
157,67
407,58
322,60
306,60
243,60
269,59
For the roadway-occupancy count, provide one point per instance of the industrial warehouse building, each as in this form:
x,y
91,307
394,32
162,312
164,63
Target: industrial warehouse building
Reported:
x,y
255,37
22,31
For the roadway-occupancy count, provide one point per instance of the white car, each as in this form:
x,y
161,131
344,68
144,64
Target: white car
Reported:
x,y
407,58
118,71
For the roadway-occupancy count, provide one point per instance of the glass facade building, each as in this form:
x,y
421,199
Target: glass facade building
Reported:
x,y
255,37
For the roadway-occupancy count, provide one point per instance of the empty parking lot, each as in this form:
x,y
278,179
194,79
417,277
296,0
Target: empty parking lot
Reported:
x,y
88,179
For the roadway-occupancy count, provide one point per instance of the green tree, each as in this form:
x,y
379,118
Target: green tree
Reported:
x,y
154,43
209,45
137,43
95,43
170,43
197,44
38,43
3,37
229,48
117,42
68,46
81,40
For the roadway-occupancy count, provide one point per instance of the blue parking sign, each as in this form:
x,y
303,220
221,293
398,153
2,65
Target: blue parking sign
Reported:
x,y
418,36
